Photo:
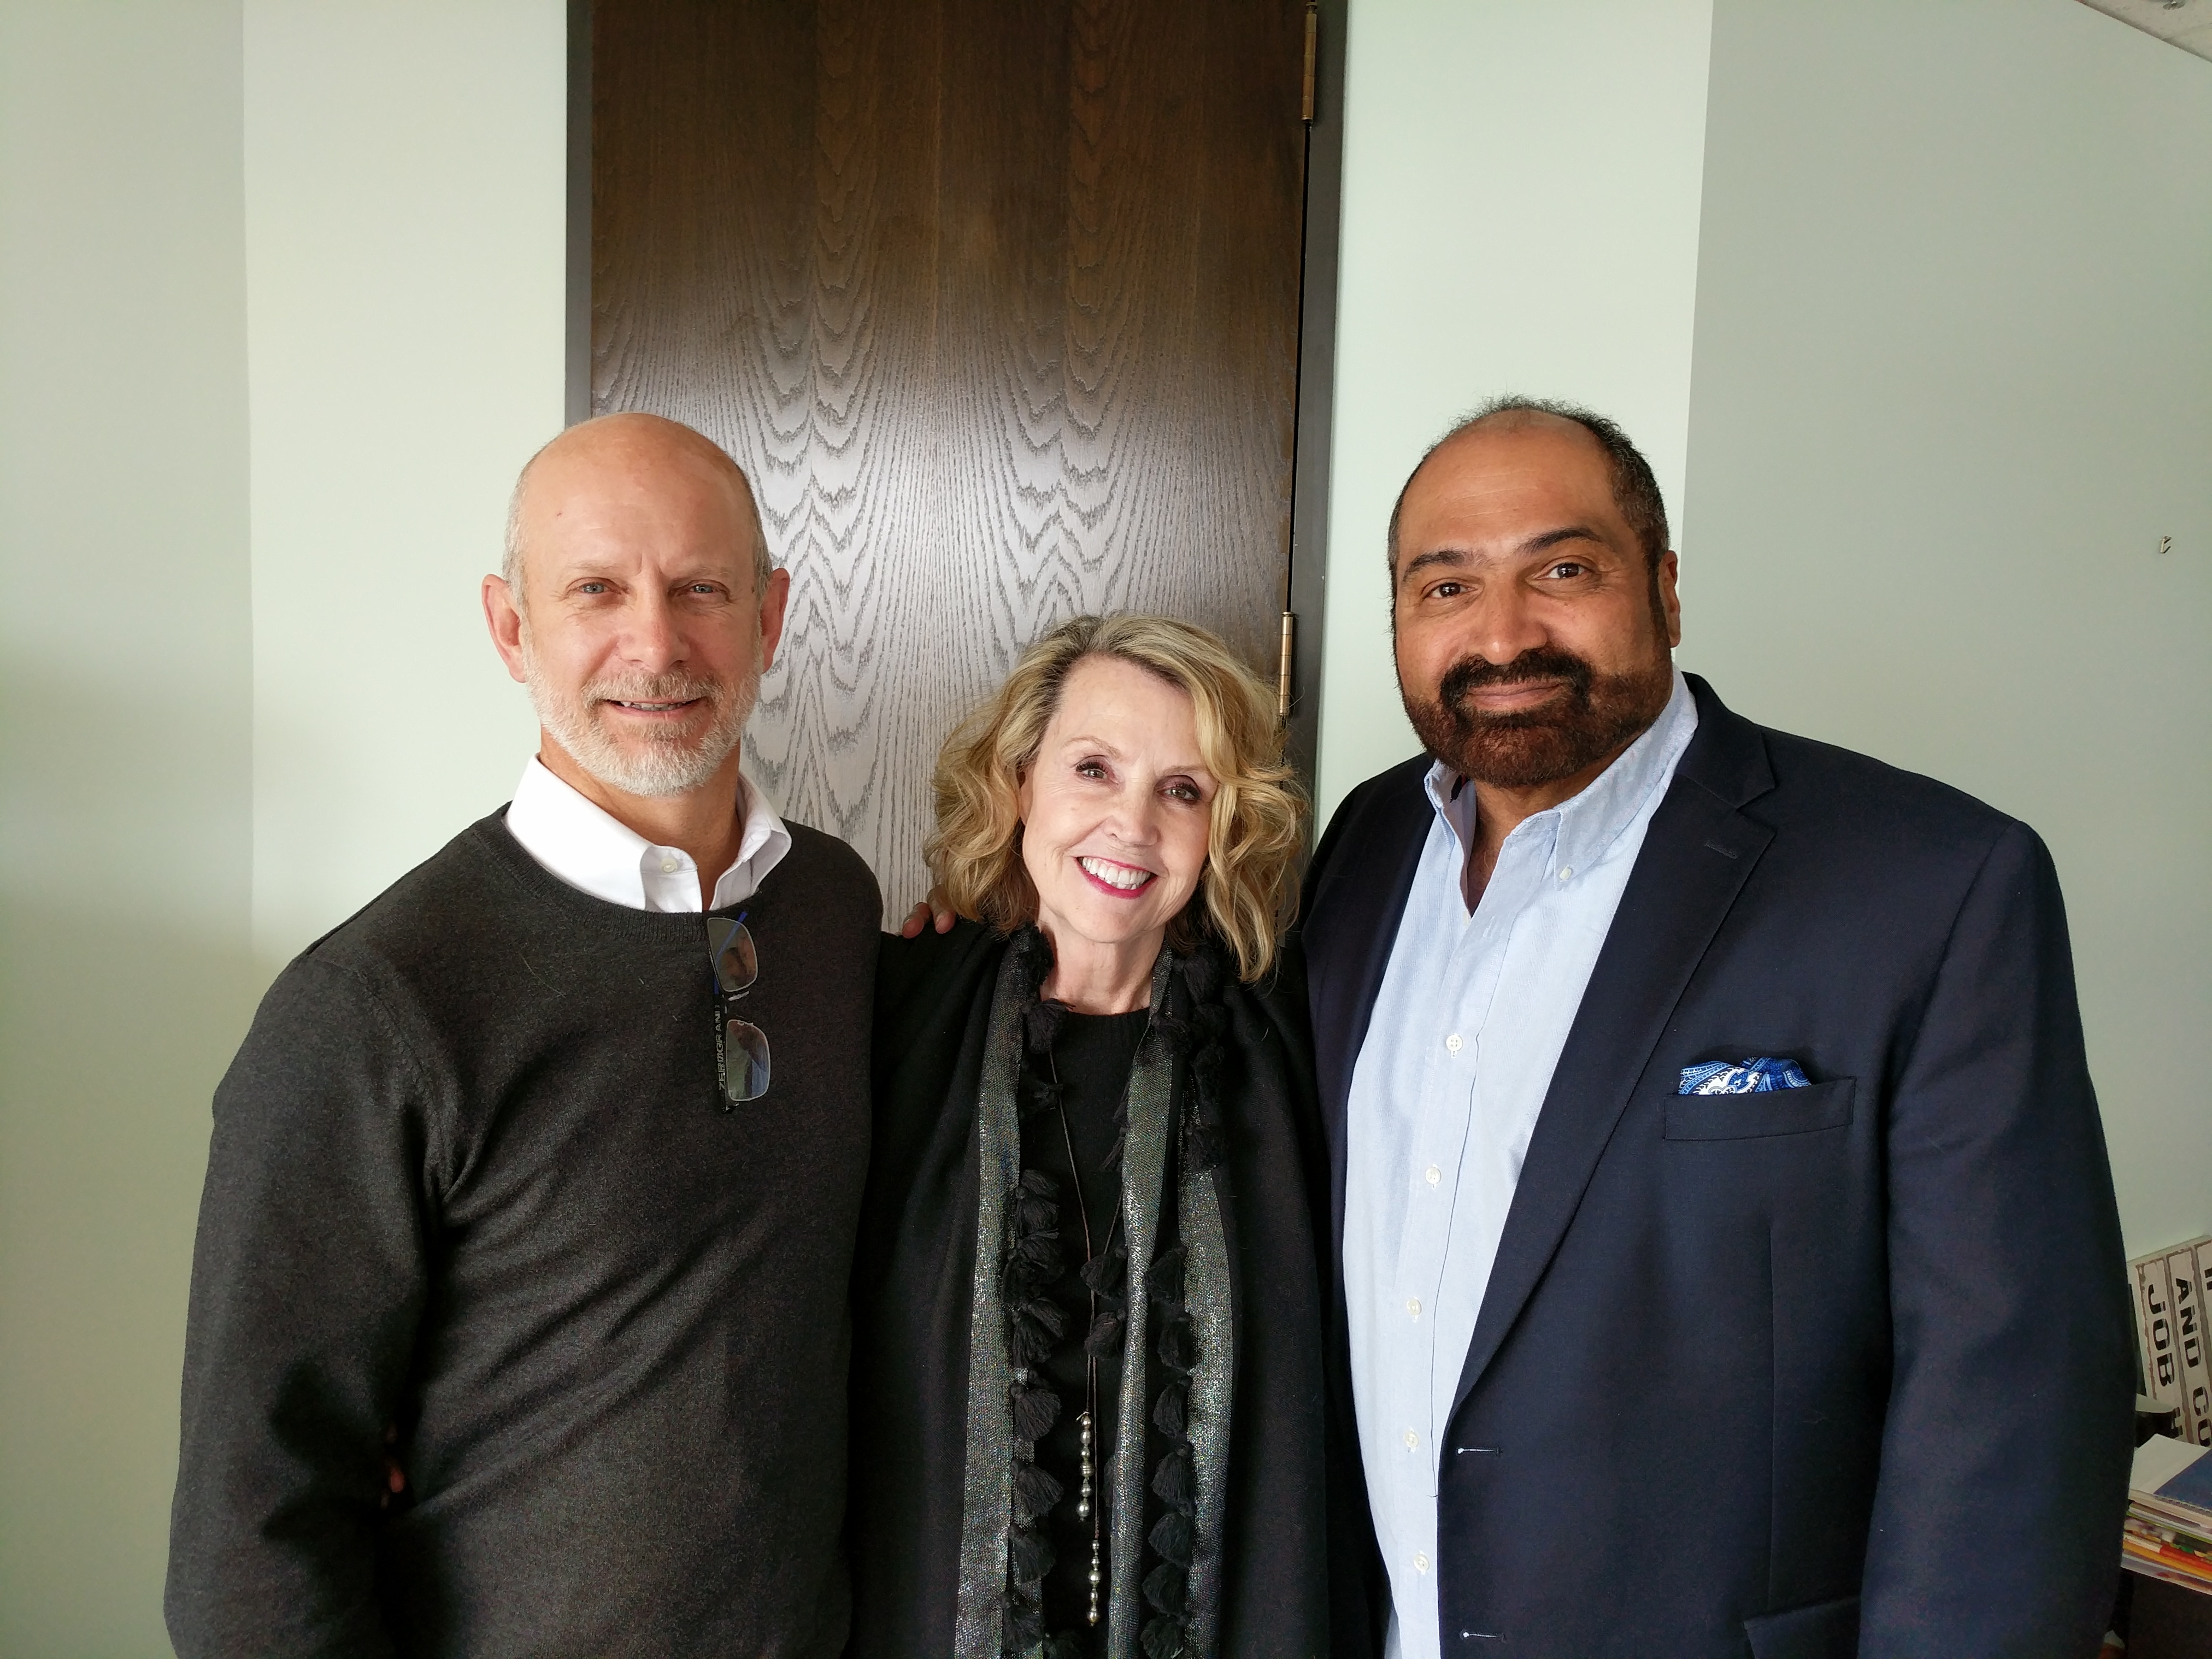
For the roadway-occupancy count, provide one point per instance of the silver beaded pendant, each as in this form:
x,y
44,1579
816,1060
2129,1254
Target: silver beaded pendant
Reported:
x,y
1083,1513
1083,1502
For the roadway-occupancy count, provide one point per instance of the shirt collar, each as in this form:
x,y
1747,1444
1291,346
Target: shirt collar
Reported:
x,y
596,852
1589,824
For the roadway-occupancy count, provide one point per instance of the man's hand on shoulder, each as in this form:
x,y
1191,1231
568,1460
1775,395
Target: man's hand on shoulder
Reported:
x,y
936,908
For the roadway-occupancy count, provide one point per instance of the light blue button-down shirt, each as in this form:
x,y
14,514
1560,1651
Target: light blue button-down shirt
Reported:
x,y
1467,1027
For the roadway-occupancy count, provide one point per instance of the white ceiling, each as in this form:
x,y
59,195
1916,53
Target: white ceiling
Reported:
x,y
2186,23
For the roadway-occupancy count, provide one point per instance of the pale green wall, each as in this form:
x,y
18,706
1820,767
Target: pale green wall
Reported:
x,y
1520,214
125,773
406,223
1952,381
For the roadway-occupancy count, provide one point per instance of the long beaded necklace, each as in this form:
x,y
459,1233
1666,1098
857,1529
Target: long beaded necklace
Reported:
x,y
1087,1507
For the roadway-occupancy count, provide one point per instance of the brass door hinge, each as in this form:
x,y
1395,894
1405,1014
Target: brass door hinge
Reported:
x,y
1283,666
1313,55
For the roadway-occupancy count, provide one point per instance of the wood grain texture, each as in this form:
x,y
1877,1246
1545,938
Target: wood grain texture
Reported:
x,y
996,301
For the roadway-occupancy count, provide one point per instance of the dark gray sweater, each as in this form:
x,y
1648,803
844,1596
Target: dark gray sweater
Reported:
x,y
471,1181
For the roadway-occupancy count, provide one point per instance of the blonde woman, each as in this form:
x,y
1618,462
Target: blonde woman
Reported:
x,y
1088,1413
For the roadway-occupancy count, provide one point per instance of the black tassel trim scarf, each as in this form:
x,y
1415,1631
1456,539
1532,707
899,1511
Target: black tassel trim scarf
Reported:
x,y
1163,1584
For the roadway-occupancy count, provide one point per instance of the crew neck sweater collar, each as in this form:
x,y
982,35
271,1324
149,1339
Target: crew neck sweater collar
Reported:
x,y
593,851
536,886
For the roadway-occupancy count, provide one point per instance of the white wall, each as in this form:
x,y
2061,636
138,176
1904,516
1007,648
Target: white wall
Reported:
x,y
125,840
1953,383
405,215
1520,186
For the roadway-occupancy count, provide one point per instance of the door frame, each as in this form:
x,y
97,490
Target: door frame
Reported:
x,y
1315,413
1307,588
577,387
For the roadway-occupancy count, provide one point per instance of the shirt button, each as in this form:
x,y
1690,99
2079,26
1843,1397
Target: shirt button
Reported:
x,y
1412,1307
1412,1440
1421,1561
1565,871
1434,1175
668,866
1452,1044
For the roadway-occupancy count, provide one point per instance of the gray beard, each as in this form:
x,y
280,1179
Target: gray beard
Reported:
x,y
670,765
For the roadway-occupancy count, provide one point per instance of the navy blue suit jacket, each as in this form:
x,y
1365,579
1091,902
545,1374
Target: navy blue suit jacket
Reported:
x,y
1803,1374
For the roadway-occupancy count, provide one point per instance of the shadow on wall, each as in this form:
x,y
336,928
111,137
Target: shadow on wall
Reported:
x,y
114,1033
124,987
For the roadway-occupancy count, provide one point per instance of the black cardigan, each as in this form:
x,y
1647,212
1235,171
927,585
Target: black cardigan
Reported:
x,y
912,1275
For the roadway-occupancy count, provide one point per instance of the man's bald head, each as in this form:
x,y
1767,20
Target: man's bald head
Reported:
x,y
1635,489
1533,606
638,606
612,450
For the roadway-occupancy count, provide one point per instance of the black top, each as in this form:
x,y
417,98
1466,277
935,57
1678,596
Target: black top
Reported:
x,y
913,1281
1092,1059
470,1177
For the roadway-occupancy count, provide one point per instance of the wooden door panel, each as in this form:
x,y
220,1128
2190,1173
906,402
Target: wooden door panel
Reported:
x,y
997,301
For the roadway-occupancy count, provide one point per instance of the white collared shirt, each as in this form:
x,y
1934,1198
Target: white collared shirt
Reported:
x,y
595,853
1468,1028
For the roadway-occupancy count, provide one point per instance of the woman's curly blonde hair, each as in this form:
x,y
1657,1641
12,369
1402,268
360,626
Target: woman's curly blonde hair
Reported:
x,y
1257,819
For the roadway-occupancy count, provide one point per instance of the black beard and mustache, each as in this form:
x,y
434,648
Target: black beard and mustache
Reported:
x,y
1598,715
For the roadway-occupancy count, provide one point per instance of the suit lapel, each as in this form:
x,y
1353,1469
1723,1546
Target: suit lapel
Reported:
x,y
1696,857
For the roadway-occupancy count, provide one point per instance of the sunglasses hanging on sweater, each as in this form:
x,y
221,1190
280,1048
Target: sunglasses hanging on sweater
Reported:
x,y
740,1047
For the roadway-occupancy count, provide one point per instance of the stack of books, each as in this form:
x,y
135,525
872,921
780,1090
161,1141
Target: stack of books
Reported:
x,y
2173,1288
2169,1526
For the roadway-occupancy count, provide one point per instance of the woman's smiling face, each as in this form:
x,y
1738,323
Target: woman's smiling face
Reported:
x,y
1115,811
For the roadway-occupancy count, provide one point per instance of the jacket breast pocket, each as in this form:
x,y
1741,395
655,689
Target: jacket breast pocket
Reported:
x,y
1776,1112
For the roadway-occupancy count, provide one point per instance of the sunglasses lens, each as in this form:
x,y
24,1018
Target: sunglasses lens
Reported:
x,y
736,964
744,1062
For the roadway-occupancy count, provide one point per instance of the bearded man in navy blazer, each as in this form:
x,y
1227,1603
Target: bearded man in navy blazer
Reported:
x,y
1729,1258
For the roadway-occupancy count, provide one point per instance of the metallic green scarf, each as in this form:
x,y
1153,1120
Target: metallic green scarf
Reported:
x,y
980,1621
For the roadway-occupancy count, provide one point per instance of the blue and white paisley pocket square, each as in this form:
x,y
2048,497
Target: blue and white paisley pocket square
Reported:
x,y
1753,1077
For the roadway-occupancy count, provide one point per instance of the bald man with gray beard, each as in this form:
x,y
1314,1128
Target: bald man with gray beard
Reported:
x,y
518,1319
